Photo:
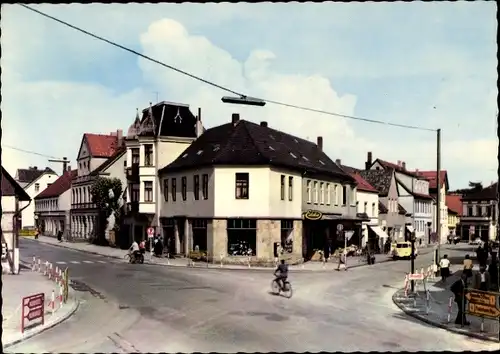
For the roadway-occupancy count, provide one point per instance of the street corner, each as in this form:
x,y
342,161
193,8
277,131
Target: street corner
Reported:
x,y
51,320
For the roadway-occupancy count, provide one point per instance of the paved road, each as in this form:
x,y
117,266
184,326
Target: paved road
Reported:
x,y
146,308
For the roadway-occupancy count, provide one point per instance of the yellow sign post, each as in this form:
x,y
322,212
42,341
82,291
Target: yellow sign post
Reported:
x,y
66,285
483,303
313,215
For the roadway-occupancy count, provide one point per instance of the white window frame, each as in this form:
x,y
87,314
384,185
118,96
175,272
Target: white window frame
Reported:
x,y
308,191
328,194
321,193
315,192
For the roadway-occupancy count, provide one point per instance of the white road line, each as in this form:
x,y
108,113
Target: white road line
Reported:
x,y
88,262
102,261
60,262
75,262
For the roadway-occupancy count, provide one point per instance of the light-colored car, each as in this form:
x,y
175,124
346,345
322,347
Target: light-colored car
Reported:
x,y
403,250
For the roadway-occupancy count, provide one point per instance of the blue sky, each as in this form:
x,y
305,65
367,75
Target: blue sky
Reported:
x,y
428,64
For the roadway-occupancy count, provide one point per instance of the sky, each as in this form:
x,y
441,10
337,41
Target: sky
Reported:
x,y
429,64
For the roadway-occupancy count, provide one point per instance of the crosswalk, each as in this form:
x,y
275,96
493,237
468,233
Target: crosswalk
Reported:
x,y
82,262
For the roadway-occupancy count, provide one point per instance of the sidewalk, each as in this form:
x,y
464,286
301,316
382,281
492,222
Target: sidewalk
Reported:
x,y
436,313
352,262
27,283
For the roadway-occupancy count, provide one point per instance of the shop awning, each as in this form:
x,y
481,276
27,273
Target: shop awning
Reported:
x,y
379,232
410,228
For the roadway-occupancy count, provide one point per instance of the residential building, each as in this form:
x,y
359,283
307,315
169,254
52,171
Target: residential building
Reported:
x,y
53,206
99,154
33,182
243,189
153,141
413,195
431,176
454,204
480,214
12,197
392,216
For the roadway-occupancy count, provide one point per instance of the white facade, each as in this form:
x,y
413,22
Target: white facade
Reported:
x,y
54,211
367,202
33,189
444,215
216,196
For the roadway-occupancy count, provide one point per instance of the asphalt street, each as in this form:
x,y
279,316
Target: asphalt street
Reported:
x,y
148,308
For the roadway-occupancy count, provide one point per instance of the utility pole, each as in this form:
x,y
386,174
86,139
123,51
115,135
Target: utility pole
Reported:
x,y
64,161
438,209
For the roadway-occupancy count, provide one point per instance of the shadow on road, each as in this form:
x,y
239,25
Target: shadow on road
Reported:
x,y
402,316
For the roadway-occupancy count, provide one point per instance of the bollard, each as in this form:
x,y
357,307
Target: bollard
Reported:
x,y
60,297
450,303
46,268
406,285
56,274
52,302
427,301
39,265
249,261
33,266
221,256
50,271
482,324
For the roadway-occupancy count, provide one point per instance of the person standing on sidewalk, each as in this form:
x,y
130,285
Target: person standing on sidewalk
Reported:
x,y
468,266
458,289
482,280
444,265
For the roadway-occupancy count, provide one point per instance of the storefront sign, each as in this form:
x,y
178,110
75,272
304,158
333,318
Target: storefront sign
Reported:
x,y
313,215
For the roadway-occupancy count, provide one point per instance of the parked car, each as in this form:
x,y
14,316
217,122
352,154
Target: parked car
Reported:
x,y
403,250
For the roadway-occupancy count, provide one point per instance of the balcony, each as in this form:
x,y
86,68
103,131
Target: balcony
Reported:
x,y
133,173
80,206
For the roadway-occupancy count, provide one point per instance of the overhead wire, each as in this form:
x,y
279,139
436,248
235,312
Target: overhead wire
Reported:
x,y
29,151
211,83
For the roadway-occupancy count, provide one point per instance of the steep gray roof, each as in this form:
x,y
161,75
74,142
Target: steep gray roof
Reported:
x,y
379,179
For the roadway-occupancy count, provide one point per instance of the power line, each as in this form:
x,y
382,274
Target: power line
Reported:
x,y
220,86
29,151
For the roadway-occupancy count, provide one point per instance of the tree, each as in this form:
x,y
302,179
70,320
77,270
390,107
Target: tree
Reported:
x,y
107,195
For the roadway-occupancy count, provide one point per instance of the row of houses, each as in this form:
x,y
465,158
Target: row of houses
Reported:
x,y
243,187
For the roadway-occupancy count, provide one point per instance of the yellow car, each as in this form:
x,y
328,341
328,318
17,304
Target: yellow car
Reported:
x,y
402,250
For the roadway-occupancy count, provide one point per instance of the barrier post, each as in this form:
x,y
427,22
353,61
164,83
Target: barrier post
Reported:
x,y
249,261
482,324
450,304
46,268
33,265
406,285
221,256
427,301
39,265
52,302
66,284
50,271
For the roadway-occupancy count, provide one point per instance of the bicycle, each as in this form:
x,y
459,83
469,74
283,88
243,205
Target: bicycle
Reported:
x,y
277,289
129,258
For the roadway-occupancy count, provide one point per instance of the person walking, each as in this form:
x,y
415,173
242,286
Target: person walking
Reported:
x,y
468,267
458,289
482,280
444,265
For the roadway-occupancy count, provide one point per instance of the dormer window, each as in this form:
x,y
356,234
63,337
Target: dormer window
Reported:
x,y
199,152
305,158
321,162
216,148
296,141
292,155
271,148
272,137
184,156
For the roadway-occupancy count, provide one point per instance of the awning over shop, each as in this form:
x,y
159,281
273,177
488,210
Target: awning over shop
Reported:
x,y
379,232
410,228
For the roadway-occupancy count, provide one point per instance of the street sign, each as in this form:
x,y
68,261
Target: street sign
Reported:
x,y
151,232
340,227
348,234
482,303
415,276
32,308
313,215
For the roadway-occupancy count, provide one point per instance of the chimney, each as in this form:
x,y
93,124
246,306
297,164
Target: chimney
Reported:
x,y
263,124
403,164
338,162
416,171
319,142
119,135
399,163
368,162
199,114
235,118
69,168
35,168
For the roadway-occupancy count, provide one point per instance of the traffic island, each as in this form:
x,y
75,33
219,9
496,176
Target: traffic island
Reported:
x,y
30,306
437,308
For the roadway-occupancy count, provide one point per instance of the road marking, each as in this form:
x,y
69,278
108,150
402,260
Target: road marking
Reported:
x,y
88,262
75,262
101,261
61,262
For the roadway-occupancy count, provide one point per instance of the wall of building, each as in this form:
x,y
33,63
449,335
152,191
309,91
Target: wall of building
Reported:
x,y
28,214
371,202
313,197
8,209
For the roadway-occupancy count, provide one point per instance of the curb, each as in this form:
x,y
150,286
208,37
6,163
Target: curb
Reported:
x,y
440,325
76,304
216,268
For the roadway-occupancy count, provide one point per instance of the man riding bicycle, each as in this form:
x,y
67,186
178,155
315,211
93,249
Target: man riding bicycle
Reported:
x,y
283,274
134,250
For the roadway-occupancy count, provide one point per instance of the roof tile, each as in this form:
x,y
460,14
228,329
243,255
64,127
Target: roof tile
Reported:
x,y
379,179
60,185
454,203
488,193
363,185
28,175
11,188
431,176
101,145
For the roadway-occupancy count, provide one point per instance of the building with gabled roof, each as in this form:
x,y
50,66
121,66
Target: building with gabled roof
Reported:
x,y
99,154
243,188
454,205
53,205
33,180
13,195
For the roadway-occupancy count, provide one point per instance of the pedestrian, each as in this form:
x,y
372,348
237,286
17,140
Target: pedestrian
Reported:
x,y
458,289
482,280
37,233
493,272
468,266
481,252
59,236
444,265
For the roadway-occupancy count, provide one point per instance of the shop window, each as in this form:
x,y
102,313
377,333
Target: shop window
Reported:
x,y
242,185
241,237
196,187
199,234
287,235
184,188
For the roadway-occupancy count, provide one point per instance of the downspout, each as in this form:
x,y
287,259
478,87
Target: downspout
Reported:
x,y
157,195
15,254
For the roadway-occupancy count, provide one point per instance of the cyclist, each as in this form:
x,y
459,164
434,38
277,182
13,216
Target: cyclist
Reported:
x,y
134,249
283,274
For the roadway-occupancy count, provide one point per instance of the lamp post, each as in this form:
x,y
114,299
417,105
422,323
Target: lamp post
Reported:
x,y
412,259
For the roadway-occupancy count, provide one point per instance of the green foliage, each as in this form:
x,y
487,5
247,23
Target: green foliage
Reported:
x,y
105,204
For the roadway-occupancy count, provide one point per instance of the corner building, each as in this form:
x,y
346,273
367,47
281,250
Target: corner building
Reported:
x,y
243,188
